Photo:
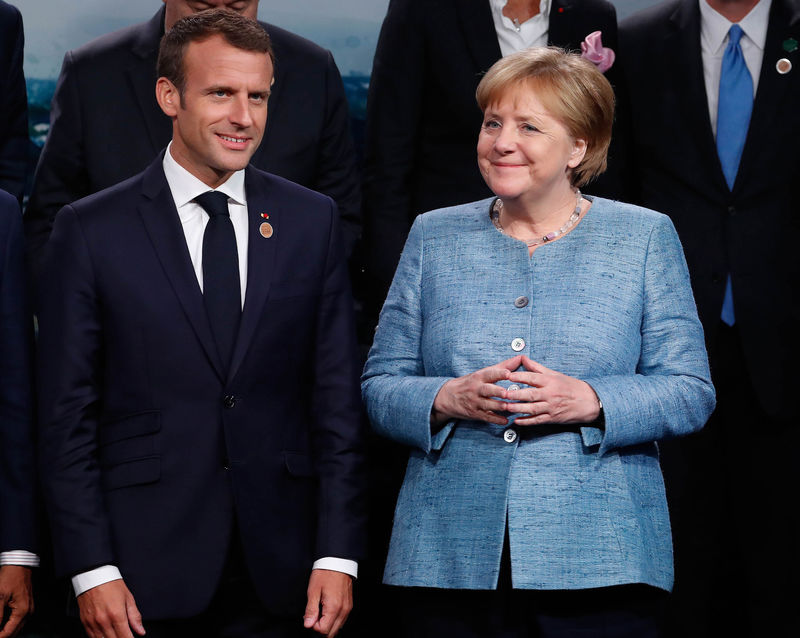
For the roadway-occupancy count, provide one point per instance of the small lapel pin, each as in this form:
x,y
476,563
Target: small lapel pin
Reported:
x,y
790,45
266,230
265,215
783,66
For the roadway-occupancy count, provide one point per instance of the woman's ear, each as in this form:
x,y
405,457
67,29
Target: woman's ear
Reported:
x,y
578,153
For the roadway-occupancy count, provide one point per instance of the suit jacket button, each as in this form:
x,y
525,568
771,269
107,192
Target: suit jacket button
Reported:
x,y
518,344
521,302
731,210
229,401
509,436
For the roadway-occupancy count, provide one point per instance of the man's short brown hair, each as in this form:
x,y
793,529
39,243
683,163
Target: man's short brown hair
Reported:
x,y
238,31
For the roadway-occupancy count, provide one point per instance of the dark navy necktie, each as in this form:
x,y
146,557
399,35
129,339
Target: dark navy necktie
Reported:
x,y
221,289
733,119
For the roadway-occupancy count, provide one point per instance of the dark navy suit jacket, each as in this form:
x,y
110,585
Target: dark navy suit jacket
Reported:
x,y
17,473
13,103
149,450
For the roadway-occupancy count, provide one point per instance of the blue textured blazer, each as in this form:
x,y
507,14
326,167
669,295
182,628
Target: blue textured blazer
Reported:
x,y
609,303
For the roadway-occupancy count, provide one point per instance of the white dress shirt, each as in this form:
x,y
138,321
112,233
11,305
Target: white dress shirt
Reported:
x,y
713,40
19,557
184,188
531,33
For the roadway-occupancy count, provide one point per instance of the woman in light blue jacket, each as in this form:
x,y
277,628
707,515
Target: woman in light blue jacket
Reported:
x,y
531,351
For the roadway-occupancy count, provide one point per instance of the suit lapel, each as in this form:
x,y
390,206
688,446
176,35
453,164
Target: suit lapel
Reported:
x,y
686,69
261,253
784,20
477,23
141,75
164,229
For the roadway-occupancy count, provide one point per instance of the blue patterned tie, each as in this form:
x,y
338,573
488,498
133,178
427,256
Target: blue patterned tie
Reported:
x,y
733,118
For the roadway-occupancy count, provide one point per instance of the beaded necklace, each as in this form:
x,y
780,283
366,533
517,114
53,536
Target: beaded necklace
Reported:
x,y
497,206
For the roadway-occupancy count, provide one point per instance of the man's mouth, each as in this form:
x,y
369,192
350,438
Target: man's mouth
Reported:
x,y
235,140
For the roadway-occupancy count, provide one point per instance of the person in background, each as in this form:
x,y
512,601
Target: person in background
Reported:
x,y
533,348
106,125
200,430
13,103
17,466
421,114
708,108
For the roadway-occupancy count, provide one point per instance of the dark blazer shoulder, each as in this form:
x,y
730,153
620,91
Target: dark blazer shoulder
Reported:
x,y
140,39
656,18
293,48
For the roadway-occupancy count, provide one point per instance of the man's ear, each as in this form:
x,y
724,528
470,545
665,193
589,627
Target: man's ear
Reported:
x,y
167,96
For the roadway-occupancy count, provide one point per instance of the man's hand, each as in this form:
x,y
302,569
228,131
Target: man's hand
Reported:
x,y
330,600
109,611
16,595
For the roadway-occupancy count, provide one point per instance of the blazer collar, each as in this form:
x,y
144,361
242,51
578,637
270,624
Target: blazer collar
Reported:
x,y
160,218
262,208
685,71
784,23
475,17
141,75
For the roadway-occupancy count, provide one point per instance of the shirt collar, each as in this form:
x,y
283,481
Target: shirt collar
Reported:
x,y
714,26
544,8
185,186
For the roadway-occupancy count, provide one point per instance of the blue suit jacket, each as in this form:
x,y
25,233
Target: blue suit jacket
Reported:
x,y
17,472
149,450
609,303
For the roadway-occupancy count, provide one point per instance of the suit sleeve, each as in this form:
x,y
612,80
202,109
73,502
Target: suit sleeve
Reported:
x,y
61,176
337,174
70,376
394,105
13,107
398,395
337,430
671,393
17,470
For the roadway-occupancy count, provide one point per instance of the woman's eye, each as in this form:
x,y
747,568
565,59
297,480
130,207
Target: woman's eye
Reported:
x,y
491,124
529,128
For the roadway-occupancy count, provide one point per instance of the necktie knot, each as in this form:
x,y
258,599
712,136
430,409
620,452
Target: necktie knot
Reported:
x,y
214,203
735,34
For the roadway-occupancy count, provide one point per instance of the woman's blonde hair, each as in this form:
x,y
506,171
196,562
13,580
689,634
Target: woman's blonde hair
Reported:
x,y
570,88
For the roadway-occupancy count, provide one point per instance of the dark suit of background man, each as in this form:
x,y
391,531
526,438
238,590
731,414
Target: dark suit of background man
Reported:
x,y
13,103
733,487
208,466
422,118
17,471
106,125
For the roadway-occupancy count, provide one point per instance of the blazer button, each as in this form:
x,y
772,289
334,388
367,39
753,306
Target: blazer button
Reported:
x,y
521,302
509,436
229,401
518,344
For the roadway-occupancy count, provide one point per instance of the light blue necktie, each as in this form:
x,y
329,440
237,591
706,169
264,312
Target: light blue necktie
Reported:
x,y
733,118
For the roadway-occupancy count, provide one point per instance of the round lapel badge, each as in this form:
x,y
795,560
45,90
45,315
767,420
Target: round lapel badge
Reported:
x,y
784,65
266,230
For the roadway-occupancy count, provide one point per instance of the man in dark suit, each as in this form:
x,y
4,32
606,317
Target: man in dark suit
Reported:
x,y
13,103
422,118
732,486
17,471
200,422
106,125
